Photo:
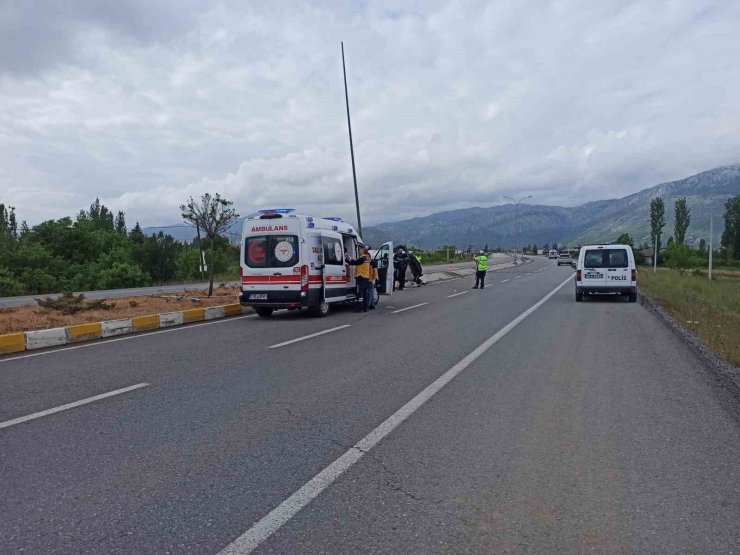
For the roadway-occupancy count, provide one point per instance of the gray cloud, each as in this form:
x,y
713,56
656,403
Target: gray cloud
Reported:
x,y
454,104
36,35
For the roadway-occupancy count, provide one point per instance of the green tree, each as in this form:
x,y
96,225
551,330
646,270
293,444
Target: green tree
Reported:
x,y
136,235
9,283
731,235
213,215
625,239
702,244
682,221
670,241
657,220
680,257
120,225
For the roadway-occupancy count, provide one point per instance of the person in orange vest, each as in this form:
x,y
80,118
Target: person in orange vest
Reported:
x,y
363,276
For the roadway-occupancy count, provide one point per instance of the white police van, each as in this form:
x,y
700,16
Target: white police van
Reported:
x,y
290,261
606,269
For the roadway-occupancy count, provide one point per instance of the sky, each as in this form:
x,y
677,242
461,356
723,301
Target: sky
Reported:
x,y
453,104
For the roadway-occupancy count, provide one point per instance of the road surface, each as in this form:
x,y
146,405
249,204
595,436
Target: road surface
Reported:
x,y
507,420
25,300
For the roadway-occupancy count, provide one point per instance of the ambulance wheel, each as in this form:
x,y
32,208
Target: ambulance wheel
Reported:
x,y
263,311
321,310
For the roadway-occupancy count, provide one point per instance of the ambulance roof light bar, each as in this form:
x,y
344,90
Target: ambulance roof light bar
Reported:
x,y
277,211
334,218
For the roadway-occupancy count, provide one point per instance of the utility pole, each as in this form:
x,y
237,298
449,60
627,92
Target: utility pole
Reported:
x,y
351,147
655,255
516,221
711,247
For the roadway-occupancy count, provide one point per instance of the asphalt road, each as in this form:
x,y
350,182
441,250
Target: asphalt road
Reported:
x,y
25,300
494,421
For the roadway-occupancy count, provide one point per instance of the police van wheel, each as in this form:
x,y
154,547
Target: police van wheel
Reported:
x,y
579,296
633,297
263,311
321,310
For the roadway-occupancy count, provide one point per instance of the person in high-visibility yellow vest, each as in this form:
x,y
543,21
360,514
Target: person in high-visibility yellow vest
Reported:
x,y
481,267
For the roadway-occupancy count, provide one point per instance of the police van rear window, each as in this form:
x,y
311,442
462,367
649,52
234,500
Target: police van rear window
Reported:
x,y
606,258
271,251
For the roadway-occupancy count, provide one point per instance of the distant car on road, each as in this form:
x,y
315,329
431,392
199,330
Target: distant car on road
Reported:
x,y
606,269
552,254
564,258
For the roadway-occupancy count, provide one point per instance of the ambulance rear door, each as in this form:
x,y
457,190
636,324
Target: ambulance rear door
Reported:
x,y
334,274
384,262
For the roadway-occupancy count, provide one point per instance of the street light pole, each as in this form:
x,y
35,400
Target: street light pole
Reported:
x,y
351,147
516,221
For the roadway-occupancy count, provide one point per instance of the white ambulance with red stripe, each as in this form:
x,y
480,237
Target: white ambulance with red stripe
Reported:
x,y
290,261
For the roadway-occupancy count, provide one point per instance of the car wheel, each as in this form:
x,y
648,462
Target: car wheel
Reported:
x,y
633,297
579,297
321,310
264,312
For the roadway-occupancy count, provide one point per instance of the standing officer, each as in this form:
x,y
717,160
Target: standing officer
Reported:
x,y
481,267
401,263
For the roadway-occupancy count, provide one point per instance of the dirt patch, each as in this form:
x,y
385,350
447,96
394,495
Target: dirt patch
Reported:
x,y
29,318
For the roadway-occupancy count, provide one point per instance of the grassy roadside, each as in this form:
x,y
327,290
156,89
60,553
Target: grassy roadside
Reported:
x,y
710,309
30,318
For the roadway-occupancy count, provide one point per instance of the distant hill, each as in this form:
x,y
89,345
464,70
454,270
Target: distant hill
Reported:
x,y
599,221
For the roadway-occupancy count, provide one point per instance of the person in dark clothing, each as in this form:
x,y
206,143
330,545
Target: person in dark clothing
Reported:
x,y
401,263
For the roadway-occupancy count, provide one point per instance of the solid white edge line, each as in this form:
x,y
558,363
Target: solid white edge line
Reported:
x,y
105,341
68,406
308,336
458,294
275,519
505,280
408,308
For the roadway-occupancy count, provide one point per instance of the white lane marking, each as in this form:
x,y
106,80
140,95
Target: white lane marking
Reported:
x,y
517,277
68,406
504,281
134,336
489,285
408,308
275,519
458,294
308,336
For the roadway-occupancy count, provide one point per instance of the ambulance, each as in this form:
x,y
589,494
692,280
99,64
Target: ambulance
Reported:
x,y
290,261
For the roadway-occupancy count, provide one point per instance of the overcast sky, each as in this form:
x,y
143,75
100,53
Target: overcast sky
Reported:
x,y
454,104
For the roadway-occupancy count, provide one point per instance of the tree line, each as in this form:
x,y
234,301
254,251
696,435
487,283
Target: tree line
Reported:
x,y
96,250
680,255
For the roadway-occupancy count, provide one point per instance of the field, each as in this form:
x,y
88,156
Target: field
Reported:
x,y
711,309
29,318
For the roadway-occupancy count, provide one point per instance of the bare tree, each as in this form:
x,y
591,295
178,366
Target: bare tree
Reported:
x,y
213,215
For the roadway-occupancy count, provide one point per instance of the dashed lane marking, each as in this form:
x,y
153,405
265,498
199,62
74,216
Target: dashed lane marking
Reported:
x,y
68,406
409,308
311,336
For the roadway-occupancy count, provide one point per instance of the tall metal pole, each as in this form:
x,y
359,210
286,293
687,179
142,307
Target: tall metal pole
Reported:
x,y
351,147
516,222
655,255
711,247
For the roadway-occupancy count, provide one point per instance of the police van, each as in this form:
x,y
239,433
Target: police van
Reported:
x,y
606,269
291,261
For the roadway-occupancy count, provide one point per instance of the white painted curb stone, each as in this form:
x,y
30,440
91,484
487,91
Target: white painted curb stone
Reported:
x,y
112,328
214,312
45,338
168,319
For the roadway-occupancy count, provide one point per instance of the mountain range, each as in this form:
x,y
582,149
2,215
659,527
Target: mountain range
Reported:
x,y
600,221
